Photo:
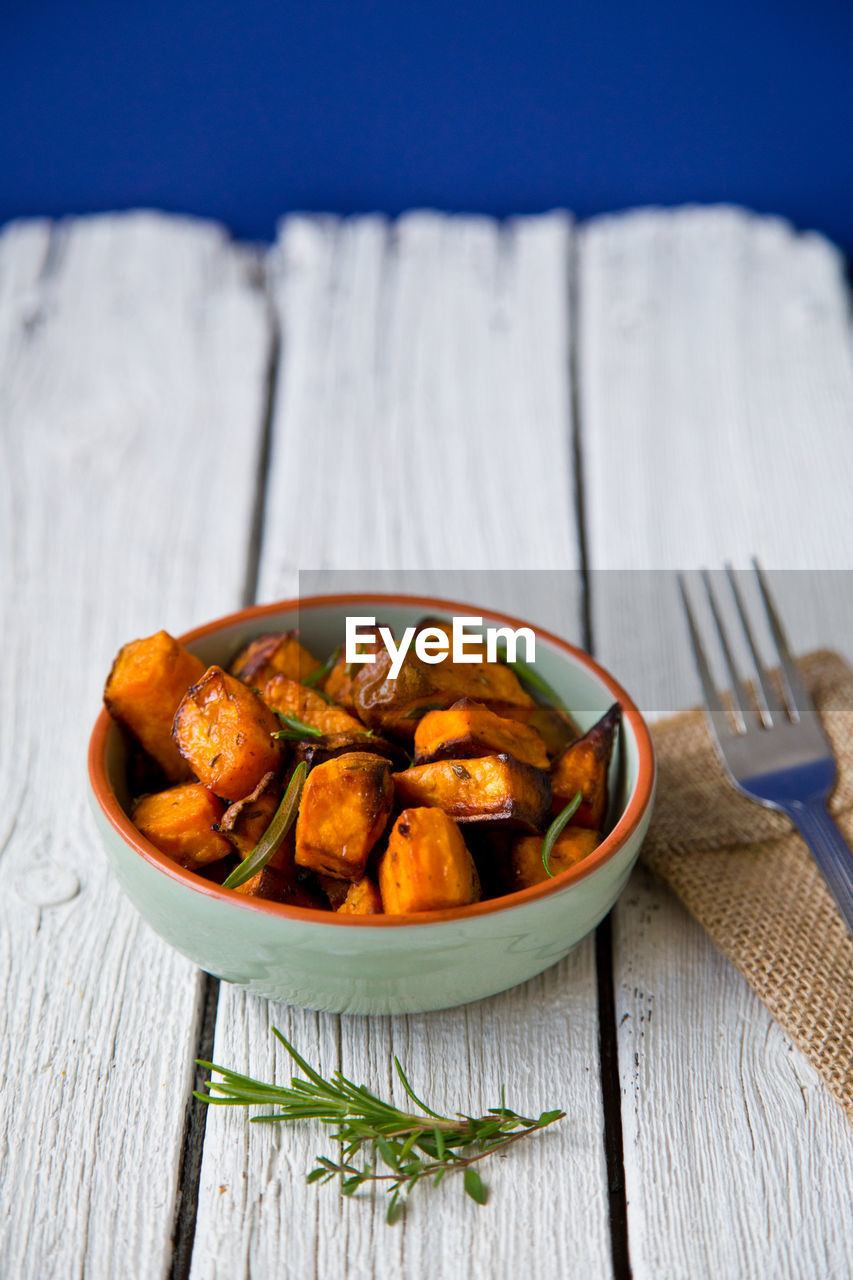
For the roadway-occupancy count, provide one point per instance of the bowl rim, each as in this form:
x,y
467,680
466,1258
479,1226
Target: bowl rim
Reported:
x,y
628,823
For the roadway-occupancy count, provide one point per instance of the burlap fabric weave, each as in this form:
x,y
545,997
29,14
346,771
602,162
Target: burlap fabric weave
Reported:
x,y
749,879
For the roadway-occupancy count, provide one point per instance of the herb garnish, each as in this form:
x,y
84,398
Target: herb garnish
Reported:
x,y
412,1147
322,671
530,676
555,828
271,839
296,729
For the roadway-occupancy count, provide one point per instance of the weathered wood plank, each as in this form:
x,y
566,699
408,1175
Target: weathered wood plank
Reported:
x,y
717,396
423,421
132,357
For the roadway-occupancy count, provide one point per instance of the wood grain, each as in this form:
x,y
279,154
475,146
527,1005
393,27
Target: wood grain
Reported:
x,y
716,401
132,355
418,362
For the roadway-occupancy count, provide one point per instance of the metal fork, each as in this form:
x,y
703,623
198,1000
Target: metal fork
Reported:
x,y
777,752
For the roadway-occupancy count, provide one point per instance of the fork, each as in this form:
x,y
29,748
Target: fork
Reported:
x,y
776,751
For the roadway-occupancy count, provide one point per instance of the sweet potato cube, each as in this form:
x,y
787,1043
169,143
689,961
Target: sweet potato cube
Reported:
x,y
555,727
427,866
224,732
492,789
272,655
362,899
571,846
298,700
583,766
338,684
147,681
276,886
180,822
344,809
469,728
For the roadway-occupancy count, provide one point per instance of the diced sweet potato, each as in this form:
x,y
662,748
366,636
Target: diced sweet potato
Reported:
x,y
272,655
571,846
427,866
298,700
492,789
469,728
276,886
147,682
316,751
344,809
181,822
338,684
335,890
245,821
583,767
555,727
224,732
362,899
395,706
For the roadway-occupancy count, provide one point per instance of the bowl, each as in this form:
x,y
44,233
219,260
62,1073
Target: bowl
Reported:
x,y
380,964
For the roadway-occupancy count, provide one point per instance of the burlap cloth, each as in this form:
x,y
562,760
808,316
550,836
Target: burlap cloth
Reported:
x,y
750,881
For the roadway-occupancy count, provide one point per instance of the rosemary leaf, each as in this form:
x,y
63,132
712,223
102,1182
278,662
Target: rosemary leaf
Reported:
x,y
554,830
295,725
282,821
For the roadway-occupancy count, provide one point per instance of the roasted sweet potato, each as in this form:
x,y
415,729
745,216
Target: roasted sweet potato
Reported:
x,y
469,728
555,727
571,846
344,809
272,655
427,866
147,682
492,789
583,767
181,822
245,821
362,899
298,700
338,684
395,706
276,886
224,732
317,750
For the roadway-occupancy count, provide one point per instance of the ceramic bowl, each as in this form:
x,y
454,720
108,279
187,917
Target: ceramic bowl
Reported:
x,y
380,964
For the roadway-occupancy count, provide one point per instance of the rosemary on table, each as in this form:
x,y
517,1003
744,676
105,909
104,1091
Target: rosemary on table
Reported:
x,y
379,1144
278,828
556,828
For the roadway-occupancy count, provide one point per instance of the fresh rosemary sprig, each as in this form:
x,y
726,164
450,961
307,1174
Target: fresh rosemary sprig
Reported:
x,y
295,729
410,1146
315,677
283,819
555,829
529,676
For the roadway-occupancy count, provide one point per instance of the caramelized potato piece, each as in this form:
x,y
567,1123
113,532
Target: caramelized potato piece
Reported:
x,y
583,767
316,751
469,728
555,727
427,866
224,732
147,681
338,684
274,885
491,789
273,655
362,899
181,823
298,700
571,846
335,890
345,806
245,821
395,706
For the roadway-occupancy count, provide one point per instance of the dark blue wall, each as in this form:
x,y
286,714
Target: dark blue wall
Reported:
x,y
243,111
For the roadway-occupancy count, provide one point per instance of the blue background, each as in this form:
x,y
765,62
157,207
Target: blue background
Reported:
x,y
243,112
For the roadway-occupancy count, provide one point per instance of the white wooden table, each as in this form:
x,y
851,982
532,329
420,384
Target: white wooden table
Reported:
x,y
187,422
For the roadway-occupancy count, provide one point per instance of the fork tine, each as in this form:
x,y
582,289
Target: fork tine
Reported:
x,y
771,709
713,701
798,698
740,693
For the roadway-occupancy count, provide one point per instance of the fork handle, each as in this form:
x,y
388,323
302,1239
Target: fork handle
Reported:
x,y
831,851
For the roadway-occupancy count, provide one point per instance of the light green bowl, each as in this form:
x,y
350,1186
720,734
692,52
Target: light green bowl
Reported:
x,y
380,964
